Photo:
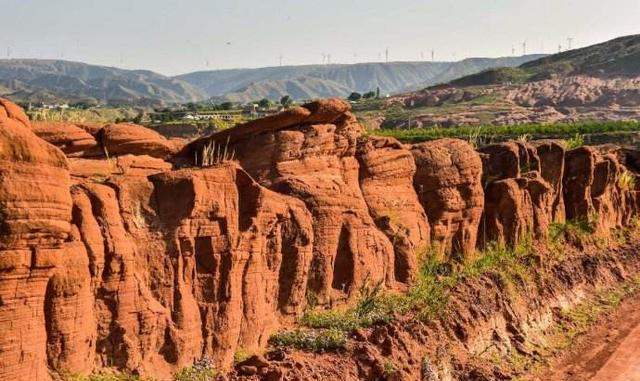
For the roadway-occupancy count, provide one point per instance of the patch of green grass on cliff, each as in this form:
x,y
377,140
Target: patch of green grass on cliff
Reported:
x,y
106,375
426,299
371,308
201,370
577,320
489,133
428,295
318,341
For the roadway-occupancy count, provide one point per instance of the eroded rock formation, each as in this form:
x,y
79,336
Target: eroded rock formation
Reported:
x,y
127,252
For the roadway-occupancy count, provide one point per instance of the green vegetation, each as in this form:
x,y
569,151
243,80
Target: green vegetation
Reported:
x,y
318,341
578,320
355,96
240,355
106,375
286,101
627,181
581,228
389,368
490,133
494,76
426,299
201,370
576,141
101,115
615,57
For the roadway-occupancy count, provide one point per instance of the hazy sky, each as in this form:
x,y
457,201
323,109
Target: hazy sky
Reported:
x,y
172,37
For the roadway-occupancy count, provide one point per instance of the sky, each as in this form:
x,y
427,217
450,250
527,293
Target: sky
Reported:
x,y
173,37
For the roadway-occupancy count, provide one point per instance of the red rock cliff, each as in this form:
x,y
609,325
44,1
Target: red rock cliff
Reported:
x,y
132,255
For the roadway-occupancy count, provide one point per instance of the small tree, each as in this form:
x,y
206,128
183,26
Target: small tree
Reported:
x,y
354,97
264,103
378,92
226,106
369,95
286,101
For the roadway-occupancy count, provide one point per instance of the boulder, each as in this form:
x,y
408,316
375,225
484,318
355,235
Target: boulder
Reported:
x,y
10,110
124,138
71,139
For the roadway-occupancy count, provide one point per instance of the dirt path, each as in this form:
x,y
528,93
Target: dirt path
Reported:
x,y
610,352
624,363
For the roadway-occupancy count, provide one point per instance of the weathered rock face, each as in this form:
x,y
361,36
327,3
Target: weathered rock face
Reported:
x,y
133,263
386,173
314,161
519,202
598,188
551,155
71,139
242,256
35,211
448,183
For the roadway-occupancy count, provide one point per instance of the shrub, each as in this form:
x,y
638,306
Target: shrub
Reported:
x,y
627,181
578,228
576,141
369,310
201,370
318,341
214,154
105,375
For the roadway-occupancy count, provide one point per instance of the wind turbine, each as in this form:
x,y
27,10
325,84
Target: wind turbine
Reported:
x,y
569,41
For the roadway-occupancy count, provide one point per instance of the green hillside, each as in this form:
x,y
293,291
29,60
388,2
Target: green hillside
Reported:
x,y
618,57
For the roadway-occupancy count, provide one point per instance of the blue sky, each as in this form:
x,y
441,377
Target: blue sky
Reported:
x,y
172,37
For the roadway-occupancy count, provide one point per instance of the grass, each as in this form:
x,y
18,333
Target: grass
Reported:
x,y
580,228
573,131
241,355
201,370
426,300
627,181
577,320
575,142
105,375
97,115
318,341
389,368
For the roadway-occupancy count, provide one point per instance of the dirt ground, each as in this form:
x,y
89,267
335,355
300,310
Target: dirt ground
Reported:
x,y
609,352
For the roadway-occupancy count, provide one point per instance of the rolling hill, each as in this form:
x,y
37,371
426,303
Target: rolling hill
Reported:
x,y
616,58
54,81
317,81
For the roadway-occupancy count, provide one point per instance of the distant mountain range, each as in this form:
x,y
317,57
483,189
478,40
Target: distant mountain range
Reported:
x,y
320,81
53,81
615,58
